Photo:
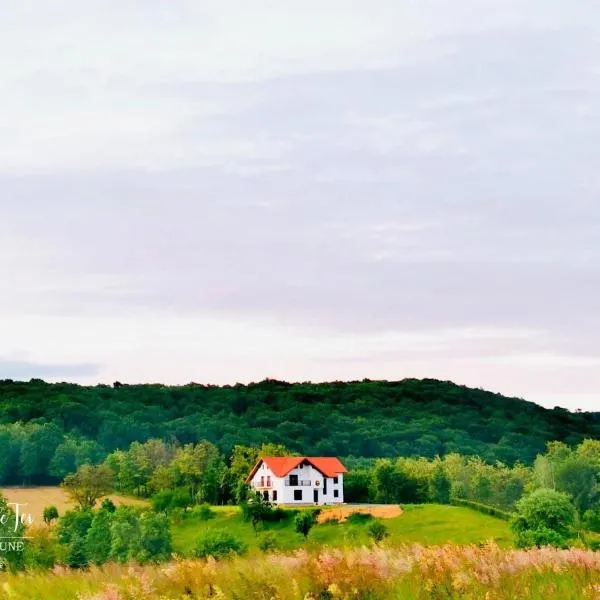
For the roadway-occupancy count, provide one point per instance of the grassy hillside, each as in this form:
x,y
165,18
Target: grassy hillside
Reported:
x,y
424,524
361,419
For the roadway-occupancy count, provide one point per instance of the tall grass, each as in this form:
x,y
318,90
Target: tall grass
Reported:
x,y
410,573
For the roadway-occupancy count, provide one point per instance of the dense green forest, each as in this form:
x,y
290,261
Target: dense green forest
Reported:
x,y
46,430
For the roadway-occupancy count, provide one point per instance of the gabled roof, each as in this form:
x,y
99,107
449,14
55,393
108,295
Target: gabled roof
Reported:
x,y
281,465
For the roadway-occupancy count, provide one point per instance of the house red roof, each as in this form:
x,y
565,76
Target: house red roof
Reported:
x,y
282,465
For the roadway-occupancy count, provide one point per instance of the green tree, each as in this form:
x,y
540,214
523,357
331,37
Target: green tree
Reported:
x,y
89,484
125,534
99,538
76,556
256,510
74,523
155,538
304,522
163,501
544,517
50,514
577,477
439,486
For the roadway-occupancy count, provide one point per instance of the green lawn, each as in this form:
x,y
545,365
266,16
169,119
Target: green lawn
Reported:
x,y
425,524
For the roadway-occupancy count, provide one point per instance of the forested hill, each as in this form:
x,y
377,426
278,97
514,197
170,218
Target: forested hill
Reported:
x,y
367,418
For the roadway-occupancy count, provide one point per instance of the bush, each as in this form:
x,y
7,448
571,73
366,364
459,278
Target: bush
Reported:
x,y
108,505
219,543
378,531
268,542
358,518
278,514
203,512
485,509
304,522
542,536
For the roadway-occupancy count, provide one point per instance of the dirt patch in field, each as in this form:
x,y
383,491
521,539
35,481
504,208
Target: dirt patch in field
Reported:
x,y
341,513
35,499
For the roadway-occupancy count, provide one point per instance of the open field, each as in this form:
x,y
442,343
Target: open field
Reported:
x,y
37,498
341,513
424,524
410,572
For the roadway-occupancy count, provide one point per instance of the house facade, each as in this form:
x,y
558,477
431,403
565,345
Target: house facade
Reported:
x,y
299,479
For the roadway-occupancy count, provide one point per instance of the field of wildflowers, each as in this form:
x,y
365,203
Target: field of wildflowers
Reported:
x,y
409,573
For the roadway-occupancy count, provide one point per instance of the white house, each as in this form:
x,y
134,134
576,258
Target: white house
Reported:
x,y
299,479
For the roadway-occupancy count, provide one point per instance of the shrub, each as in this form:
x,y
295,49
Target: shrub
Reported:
x,y
203,512
485,509
278,514
268,542
304,522
219,543
378,531
108,505
358,518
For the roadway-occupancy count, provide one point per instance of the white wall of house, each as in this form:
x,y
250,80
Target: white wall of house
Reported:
x,y
312,488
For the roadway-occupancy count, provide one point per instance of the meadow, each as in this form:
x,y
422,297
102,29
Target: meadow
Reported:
x,y
34,499
413,572
424,524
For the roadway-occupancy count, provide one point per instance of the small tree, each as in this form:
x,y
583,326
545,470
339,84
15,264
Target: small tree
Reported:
x,y
89,484
76,556
304,522
378,531
50,514
155,538
99,539
439,486
257,510
544,518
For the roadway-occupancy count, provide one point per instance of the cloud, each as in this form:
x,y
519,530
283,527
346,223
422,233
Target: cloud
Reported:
x,y
23,370
346,177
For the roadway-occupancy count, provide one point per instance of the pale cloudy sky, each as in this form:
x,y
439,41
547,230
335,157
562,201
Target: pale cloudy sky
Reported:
x,y
221,191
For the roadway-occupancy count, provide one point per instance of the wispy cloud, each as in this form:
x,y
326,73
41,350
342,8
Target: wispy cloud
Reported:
x,y
344,177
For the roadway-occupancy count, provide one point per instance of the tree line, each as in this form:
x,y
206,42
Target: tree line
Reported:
x,y
49,430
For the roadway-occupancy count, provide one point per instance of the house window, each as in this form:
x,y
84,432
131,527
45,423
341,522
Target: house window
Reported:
x,y
335,480
266,495
293,479
274,495
336,493
298,495
268,481
262,481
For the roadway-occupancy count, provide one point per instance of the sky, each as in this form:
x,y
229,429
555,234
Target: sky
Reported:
x,y
221,191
